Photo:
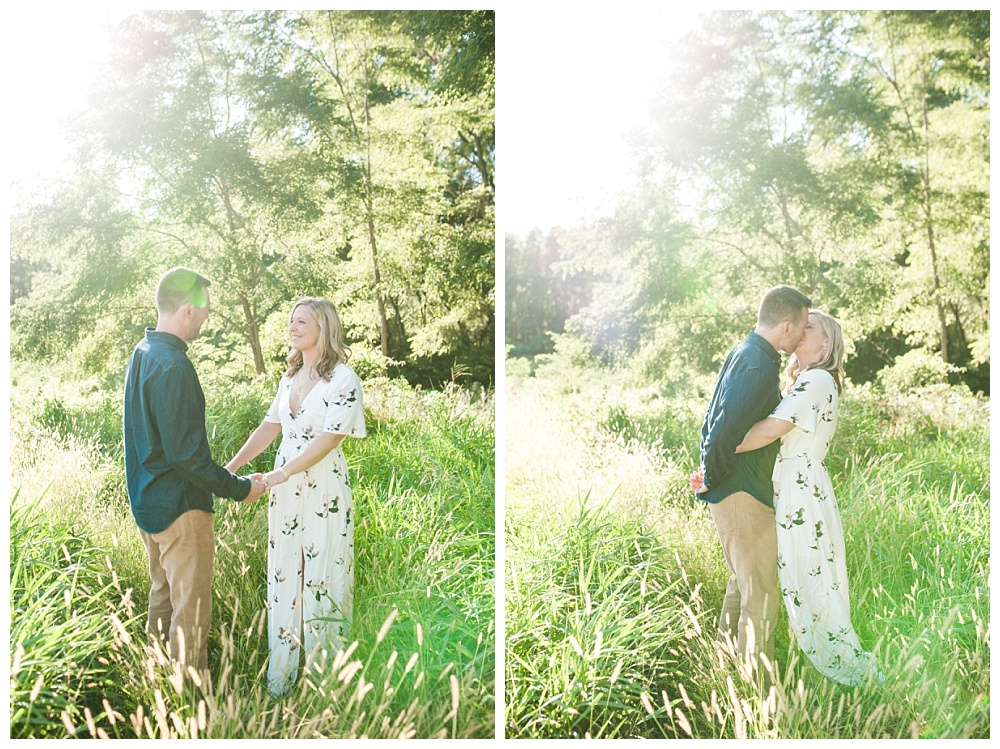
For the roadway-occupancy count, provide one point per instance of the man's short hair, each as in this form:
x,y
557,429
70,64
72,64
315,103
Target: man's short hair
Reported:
x,y
180,286
782,304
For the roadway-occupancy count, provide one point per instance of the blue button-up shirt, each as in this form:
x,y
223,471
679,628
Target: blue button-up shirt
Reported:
x,y
746,391
168,463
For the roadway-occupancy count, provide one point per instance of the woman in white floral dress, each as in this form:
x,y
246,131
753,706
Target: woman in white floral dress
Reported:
x,y
812,569
311,528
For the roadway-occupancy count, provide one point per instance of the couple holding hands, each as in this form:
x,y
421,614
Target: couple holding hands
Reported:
x,y
171,479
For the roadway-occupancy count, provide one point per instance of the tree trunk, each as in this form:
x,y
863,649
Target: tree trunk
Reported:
x,y
252,332
383,322
931,245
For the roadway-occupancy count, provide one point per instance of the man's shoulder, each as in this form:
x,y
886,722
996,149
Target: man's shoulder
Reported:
x,y
162,358
746,357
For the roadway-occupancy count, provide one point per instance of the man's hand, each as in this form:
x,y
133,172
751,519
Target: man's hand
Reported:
x,y
698,481
258,487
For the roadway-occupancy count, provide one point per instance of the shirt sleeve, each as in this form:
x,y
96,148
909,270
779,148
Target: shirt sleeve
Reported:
x,y
737,411
344,409
802,404
178,408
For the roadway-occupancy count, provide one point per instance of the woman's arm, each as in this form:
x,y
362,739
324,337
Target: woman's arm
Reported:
x,y
764,432
309,457
256,444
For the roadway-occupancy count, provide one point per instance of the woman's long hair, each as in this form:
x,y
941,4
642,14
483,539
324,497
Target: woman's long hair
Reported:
x,y
832,362
331,347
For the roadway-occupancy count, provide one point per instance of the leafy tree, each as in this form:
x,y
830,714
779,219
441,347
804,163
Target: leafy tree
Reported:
x,y
416,222
347,154
842,152
929,71
171,112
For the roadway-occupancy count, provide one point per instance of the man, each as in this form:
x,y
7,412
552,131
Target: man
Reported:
x,y
738,488
169,470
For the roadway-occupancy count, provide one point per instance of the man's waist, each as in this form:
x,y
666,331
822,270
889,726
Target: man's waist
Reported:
x,y
754,479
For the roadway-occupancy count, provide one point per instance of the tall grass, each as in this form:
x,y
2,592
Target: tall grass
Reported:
x,y
422,661
606,549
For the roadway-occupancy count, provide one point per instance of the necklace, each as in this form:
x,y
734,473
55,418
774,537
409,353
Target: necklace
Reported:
x,y
303,381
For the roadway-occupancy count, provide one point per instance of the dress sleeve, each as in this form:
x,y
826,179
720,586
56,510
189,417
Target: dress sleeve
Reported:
x,y
803,404
344,410
273,413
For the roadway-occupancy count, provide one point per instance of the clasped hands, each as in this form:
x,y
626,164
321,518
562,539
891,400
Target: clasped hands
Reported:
x,y
261,483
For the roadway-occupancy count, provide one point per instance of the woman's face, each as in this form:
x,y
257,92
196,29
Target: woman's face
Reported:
x,y
303,330
812,347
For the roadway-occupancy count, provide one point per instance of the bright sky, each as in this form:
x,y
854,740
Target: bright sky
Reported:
x,y
571,86
47,73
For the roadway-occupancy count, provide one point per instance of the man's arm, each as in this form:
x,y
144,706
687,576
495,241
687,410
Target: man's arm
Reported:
x,y
738,410
180,419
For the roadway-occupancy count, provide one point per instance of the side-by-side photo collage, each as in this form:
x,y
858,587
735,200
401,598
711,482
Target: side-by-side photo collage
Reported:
x,y
498,374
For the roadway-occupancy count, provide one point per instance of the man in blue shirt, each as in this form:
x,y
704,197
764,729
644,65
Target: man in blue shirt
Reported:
x,y
169,470
737,487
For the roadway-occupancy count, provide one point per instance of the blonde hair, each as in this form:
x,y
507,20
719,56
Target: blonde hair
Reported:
x,y
832,361
331,347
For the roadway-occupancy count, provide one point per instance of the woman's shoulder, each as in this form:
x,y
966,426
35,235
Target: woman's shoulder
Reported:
x,y
343,374
815,379
817,374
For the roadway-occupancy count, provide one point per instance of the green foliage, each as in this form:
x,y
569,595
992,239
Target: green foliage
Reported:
x,y
547,283
345,154
61,595
86,416
569,353
911,476
593,626
841,152
915,369
423,662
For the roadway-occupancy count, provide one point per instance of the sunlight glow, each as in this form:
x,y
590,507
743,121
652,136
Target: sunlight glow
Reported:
x,y
53,57
570,91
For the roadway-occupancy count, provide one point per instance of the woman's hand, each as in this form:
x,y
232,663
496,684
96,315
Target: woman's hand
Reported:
x,y
275,477
698,481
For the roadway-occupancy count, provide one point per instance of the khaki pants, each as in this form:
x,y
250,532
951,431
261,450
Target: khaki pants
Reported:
x,y
180,598
749,542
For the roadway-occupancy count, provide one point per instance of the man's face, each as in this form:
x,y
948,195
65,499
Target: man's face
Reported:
x,y
795,333
197,318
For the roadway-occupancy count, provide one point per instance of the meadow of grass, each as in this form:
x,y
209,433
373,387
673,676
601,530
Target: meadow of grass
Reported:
x,y
615,576
422,664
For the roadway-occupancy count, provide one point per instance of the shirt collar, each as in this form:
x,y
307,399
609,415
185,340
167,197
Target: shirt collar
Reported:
x,y
161,336
758,340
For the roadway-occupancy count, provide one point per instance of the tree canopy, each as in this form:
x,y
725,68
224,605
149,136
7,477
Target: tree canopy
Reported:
x,y
345,154
842,152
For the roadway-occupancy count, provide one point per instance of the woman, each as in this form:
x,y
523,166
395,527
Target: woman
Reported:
x,y
310,556
811,561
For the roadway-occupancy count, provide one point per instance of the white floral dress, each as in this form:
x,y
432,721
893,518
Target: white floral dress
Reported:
x,y
812,570
311,529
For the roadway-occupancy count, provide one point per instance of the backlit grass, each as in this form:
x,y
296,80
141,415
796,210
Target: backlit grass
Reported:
x,y
615,575
422,662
